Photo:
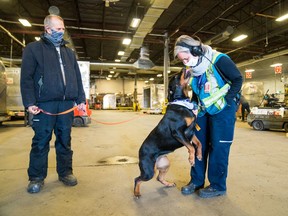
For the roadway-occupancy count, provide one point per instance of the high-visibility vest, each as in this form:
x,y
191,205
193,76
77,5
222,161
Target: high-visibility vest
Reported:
x,y
212,100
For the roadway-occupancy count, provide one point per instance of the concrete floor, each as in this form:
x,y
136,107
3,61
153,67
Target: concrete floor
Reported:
x,y
257,180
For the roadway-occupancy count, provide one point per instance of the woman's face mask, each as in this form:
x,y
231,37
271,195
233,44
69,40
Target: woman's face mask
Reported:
x,y
188,59
192,62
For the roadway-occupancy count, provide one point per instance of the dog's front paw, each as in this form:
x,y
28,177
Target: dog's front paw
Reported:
x,y
191,160
199,157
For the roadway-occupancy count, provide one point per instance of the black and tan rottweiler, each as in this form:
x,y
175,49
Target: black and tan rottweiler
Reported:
x,y
176,129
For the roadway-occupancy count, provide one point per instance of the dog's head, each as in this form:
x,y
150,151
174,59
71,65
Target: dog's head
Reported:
x,y
179,86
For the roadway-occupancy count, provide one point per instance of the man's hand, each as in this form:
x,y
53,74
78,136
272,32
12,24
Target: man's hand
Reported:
x,y
82,107
33,110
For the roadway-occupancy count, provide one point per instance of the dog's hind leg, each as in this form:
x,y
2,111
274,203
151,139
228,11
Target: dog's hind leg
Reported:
x,y
163,164
146,166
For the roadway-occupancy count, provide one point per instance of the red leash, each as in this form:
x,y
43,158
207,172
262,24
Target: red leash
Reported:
x,y
61,113
115,123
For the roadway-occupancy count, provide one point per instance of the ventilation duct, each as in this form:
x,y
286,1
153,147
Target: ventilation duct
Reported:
x,y
146,25
144,62
221,37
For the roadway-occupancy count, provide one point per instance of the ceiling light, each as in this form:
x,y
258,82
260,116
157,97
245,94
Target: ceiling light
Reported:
x,y
107,78
146,81
151,79
281,18
135,22
112,72
110,75
117,60
121,53
159,75
239,38
37,38
249,70
25,22
126,41
276,64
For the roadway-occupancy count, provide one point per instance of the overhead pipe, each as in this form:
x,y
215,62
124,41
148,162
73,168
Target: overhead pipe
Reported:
x,y
74,27
13,37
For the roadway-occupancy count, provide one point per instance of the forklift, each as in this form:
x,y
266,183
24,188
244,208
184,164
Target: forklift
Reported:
x,y
82,118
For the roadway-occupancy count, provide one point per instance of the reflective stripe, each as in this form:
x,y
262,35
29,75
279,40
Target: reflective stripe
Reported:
x,y
225,141
216,97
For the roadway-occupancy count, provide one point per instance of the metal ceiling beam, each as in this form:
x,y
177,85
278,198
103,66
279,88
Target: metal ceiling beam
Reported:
x,y
265,57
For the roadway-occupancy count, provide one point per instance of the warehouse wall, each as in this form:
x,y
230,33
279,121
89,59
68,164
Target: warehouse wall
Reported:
x,y
118,86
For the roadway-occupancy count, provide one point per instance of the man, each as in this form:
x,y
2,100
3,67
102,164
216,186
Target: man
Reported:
x,y
51,83
244,106
216,83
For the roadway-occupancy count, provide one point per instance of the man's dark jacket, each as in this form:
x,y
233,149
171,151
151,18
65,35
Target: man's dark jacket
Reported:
x,y
41,76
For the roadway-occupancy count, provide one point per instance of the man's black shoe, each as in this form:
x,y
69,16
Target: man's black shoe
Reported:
x,y
35,186
190,188
69,180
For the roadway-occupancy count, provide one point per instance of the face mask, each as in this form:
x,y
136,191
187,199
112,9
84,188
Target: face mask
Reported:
x,y
57,36
192,62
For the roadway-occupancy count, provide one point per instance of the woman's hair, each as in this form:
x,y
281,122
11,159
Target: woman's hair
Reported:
x,y
184,42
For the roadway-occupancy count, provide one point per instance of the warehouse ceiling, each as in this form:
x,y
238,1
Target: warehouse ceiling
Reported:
x,y
96,29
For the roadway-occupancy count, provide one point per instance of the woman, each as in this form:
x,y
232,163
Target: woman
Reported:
x,y
216,83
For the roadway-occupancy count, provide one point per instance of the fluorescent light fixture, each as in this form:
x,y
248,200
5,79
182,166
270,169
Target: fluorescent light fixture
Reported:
x,y
239,38
112,72
135,22
121,53
276,64
151,79
25,22
37,38
126,41
249,70
110,75
117,60
107,78
159,75
281,18
146,81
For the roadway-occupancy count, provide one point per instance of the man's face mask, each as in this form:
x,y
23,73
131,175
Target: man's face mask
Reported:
x,y
57,36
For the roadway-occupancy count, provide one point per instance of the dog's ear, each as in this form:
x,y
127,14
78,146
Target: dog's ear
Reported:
x,y
184,77
171,89
187,73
